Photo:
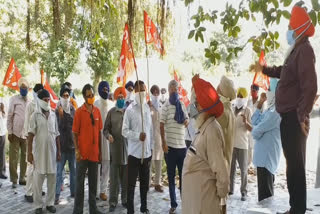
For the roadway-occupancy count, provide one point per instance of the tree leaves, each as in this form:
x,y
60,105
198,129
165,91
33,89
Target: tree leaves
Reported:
x,y
313,17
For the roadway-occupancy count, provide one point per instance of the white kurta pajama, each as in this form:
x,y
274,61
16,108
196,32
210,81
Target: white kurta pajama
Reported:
x,y
205,172
104,167
45,132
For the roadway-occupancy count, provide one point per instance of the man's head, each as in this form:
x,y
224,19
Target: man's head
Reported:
x,y
68,84
119,96
163,91
226,88
44,99
24,86
37,87
173,87
65,92
129,86
103,89
88,94
254,89
139,86
155,90
242,93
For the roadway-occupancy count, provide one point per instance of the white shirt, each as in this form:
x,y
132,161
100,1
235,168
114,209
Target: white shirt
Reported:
x,y
241,133
132,127
3,126
45,151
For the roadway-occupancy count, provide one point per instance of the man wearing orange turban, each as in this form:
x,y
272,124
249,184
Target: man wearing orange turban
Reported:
x,y
205,169
295,95
118,150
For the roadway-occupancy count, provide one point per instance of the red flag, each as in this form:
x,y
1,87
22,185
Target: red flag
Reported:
x,y
181,91
53,97
12,76
127,63
261,79
151,34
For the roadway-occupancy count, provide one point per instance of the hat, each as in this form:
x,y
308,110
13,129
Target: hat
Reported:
x,y
243,92
24,81
64,89
37,87
207,96
130,83
102,85
299,17
43,93
227,88
118,91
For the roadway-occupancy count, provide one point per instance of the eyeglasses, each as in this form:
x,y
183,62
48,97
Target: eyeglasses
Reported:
x,y
92,119
90,96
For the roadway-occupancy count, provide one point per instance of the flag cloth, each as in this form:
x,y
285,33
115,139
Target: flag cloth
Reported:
x,y
151,34
183,94
127,63
12,76
261,79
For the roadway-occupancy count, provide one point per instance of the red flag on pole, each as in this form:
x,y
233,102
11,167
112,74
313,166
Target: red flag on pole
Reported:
x,y
127,62
181,91
12,76
261,79
151,34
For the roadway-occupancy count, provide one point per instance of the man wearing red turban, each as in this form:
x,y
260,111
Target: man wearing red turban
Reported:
x,y
295,95
205,170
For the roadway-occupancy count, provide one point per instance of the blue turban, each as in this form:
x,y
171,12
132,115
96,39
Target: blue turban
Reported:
x,y
130,83
102,85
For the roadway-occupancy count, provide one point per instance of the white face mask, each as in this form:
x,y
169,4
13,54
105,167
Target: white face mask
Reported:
x,y
155,101
44,105
137,97
240,102
65,103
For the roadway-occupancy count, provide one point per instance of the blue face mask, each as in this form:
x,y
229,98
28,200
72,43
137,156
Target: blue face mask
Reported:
x,y
194,113
290,37
23,92
120,103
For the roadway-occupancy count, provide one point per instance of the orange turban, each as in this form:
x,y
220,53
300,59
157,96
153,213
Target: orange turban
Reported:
x,y
299,16
207,96
119,90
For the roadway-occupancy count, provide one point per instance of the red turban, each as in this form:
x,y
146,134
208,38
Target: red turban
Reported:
x,y
207,96
118,91
299,16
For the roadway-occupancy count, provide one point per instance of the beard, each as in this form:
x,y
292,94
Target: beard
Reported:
x,y
202,117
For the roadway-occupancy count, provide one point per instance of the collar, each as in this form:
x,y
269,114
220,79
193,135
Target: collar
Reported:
x,y
303,40
84,108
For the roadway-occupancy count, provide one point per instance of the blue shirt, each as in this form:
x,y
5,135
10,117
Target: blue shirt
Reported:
x,y
266,133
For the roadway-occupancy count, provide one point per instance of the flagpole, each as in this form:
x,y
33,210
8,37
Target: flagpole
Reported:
x,y
148,73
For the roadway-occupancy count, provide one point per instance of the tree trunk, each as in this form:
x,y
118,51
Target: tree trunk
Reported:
x,y
36,11
69,11
56,19
131,14
28,27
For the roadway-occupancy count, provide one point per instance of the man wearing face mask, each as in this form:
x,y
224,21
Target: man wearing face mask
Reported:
x,y
205,170
130,94
65,122
16,135
138,141
118,150
104,167
173,121
72,97
267,149
45,152
163,98
241,142
295,95
87,126
31,107
157,155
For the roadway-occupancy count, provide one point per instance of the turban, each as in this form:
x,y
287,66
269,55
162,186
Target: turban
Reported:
x,y
37,87
243,92
130,83
299,16
118,91
24,81
102,85
207,97
64,89
227,88
255,87
43,93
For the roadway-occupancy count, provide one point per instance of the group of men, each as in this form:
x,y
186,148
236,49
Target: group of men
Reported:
x,y
204,141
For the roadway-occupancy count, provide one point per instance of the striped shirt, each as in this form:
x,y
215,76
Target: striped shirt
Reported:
x,y
174,132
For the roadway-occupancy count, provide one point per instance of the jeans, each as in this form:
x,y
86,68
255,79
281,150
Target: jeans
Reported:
x,y
174,158
70,157
82,167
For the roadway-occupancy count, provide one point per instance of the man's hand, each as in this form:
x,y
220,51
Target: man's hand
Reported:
x,y
78,156
186,123
256,67
244,118
110,138
305,127
149,103
10,138
60,110
58,156
30,158
165,147
263,98
142,136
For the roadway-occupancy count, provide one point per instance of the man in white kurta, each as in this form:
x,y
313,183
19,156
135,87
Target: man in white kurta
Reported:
x,y
205,170
104,167
43,128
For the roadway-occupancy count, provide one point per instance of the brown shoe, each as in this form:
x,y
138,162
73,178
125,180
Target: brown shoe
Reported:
x,y
103,197
158,188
